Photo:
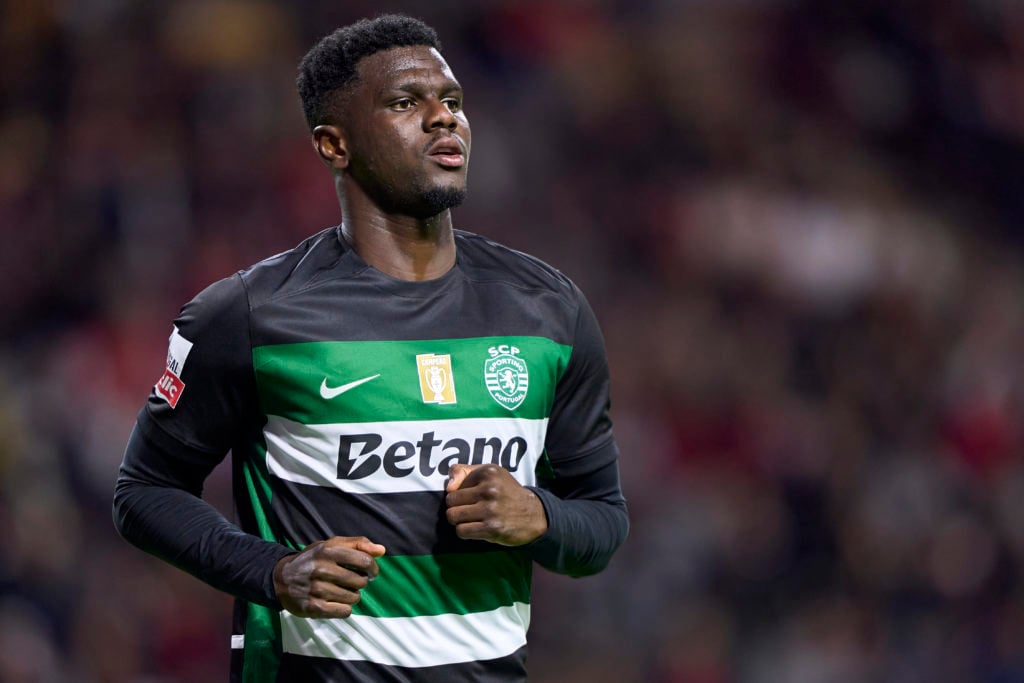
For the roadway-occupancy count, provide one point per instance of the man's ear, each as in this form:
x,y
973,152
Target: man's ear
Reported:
x,y
329,143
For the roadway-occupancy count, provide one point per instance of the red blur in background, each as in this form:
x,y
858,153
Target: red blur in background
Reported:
x,y
799,224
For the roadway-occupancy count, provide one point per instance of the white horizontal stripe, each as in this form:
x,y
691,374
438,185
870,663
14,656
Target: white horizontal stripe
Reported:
x,y
410,641
412,451
238,642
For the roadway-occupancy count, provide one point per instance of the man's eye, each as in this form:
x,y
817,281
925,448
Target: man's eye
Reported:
x,y
402,105
453,105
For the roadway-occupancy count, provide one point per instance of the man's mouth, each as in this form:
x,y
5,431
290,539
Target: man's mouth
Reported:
x,y
447,152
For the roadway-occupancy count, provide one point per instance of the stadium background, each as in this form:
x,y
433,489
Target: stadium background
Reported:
x,y
798,221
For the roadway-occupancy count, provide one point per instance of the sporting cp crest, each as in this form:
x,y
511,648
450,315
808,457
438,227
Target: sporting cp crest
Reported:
x,y
506,376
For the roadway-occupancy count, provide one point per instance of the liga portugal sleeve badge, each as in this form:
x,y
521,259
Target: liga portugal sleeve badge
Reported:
x,y
169,387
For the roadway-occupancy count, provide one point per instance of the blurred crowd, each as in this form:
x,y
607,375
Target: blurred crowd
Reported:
x,y
798,222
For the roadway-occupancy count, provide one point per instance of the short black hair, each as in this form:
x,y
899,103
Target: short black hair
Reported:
x,y
331,63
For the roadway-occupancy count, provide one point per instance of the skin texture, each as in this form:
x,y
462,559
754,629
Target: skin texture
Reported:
x,y
486,503
404,103
324,580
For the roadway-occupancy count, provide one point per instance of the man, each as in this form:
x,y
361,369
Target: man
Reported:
x,y
416,414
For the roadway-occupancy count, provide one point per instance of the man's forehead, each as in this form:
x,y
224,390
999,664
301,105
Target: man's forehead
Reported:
x,y
400,64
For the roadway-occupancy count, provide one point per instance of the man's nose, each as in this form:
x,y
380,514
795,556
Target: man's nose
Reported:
x,y
441,116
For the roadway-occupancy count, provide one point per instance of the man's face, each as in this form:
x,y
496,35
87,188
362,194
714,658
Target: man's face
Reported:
x,y
408,138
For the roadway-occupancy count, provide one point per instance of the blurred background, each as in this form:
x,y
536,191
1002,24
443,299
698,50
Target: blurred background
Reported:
x,y
799,223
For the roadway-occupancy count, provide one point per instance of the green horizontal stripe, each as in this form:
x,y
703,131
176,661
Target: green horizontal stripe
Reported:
x,y
289,378
427,585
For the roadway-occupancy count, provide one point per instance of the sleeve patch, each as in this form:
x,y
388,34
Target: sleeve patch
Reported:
x,y
169,387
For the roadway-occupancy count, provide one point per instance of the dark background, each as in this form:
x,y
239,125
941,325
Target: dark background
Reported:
x,y
799,223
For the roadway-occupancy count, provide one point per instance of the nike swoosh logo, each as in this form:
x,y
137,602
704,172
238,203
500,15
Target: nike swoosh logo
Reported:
x,y
330,392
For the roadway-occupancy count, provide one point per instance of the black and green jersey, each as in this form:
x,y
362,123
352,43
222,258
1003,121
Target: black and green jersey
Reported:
x,y
345,397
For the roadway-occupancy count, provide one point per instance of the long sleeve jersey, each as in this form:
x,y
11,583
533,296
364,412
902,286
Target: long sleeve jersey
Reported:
x,y
345,396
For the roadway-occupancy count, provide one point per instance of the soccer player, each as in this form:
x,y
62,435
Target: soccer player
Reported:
x,y
415,414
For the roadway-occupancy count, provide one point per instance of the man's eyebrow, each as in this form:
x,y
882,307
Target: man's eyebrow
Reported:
x,y
419,86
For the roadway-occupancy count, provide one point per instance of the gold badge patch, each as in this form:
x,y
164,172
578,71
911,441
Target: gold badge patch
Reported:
x,y
437,383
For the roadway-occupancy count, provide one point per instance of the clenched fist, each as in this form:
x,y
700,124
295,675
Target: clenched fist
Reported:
x,y
324,580
486,503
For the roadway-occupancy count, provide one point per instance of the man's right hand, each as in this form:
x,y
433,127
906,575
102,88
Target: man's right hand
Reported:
x,y
324,580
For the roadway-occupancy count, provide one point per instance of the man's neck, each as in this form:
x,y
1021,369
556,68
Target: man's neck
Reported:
x,y
401,246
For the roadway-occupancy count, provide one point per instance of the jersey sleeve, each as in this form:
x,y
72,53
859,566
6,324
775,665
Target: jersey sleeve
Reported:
x,y
196,412
583,502
579,438
207,391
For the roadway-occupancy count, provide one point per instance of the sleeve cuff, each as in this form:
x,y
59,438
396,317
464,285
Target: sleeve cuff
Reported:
x,y
546,547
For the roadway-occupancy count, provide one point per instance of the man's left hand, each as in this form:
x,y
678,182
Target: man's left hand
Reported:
x,y
486,503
